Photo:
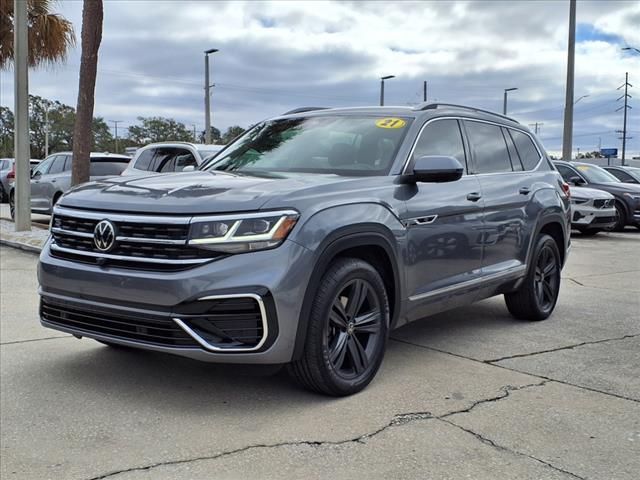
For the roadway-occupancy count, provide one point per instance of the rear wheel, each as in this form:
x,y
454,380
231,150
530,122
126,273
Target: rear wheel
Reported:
x,y
537,296
3,194
347,331
12,205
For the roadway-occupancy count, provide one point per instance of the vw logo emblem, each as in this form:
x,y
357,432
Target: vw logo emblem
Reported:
x,y
104,236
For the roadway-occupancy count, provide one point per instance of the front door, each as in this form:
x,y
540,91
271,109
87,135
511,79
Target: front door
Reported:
x,y
443,220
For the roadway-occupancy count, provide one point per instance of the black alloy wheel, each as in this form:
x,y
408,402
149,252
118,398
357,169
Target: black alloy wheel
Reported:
x,y
355,323
537,295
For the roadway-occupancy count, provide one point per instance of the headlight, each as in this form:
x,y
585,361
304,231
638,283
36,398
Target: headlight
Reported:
x,y
242,232
578,200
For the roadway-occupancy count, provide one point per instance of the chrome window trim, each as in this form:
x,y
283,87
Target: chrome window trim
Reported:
x,y
459,118
208,346
130,259
470,283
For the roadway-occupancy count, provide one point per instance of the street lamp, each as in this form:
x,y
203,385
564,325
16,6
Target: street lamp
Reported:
x,y
580,98
382,79
504,103
631,49
207,99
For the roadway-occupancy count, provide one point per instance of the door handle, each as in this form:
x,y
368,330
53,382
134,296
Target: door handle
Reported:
x,y
525,190
474,196
53,181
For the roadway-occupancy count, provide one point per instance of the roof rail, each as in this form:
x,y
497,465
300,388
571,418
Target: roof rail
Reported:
x,y
433,106
304,109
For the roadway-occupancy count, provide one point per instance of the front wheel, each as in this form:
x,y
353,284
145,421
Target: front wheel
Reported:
x,y
620,218
12,205
347,331
537,296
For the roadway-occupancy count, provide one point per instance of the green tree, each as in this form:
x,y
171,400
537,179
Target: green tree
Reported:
x,y
6,132
50,34
159,129
232,133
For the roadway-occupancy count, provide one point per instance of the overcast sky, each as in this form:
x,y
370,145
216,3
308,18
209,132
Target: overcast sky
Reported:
x,y
279,55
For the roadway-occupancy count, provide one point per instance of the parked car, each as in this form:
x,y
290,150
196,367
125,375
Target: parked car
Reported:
x,y
7,174
310,237
627,196
169,157
52,178
625,174
592,210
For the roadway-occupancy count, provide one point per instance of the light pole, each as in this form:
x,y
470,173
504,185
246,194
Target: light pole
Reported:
x,y
115,123
195,138
504,103
634,49
21,133
207,99
382,79
580,98
567,134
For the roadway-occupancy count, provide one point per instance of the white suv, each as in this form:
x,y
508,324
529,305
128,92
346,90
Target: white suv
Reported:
x,y
168,157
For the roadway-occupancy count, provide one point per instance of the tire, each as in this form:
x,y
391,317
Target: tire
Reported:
x,y
347,332
3,194
537,296
620,218
589,232
12,205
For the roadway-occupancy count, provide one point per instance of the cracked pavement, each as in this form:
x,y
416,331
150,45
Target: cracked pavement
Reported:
x,y
466,394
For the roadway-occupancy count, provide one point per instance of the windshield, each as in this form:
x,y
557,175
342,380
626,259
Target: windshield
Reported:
x,y
595,174
341,145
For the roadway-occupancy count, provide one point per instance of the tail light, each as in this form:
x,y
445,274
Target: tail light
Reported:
x,y
566,189
12,174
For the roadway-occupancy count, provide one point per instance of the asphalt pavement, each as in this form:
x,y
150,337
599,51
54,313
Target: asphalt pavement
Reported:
x,y
470,393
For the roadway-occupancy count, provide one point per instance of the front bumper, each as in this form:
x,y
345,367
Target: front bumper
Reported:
x,y
589,217
96,302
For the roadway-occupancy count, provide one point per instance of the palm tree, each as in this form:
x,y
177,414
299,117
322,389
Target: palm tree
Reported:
x,y
50,35
92,13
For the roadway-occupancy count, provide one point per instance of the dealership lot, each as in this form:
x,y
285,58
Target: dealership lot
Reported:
x,y
466,394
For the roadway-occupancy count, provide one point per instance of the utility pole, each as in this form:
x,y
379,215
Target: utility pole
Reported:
x,y
536,126
567,137
625,107
195,139
115,123
207,98
21,134
424,91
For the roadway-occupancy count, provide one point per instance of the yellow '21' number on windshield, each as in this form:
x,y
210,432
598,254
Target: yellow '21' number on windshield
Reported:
x,y
390,123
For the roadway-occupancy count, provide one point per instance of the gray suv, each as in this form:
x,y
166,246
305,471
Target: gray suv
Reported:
x,y
309,238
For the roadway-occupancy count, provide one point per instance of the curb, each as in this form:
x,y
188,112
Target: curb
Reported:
x,y
21,246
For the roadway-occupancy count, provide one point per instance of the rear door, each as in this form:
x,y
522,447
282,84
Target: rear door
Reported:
x,y
41,185
503,161
443,220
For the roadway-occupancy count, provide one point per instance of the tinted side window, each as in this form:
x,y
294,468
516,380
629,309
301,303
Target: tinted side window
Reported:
x,y
44,166
527,150
441,137
489,148
516,162
165,159
4,164
566,172
144,160
102,168
184,160
620,175
67,163
58,164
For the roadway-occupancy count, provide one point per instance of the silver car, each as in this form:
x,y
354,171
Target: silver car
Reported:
x,y
592,210
52,177
168,157
6,177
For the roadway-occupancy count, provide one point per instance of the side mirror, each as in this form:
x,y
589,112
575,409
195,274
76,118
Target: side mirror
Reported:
x,y
577,181
189,168
437,169
36,174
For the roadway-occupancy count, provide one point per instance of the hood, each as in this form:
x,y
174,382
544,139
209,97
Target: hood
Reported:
x,y
188,193
617,187
588,193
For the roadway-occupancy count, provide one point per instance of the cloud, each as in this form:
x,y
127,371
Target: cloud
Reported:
x,y
279,55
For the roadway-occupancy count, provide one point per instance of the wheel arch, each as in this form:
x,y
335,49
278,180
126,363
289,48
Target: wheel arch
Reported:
x,y
371,242
554,228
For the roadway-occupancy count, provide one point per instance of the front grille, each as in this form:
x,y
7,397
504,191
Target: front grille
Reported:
x,y
138,327
603,220
235,322
142,242
603,203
